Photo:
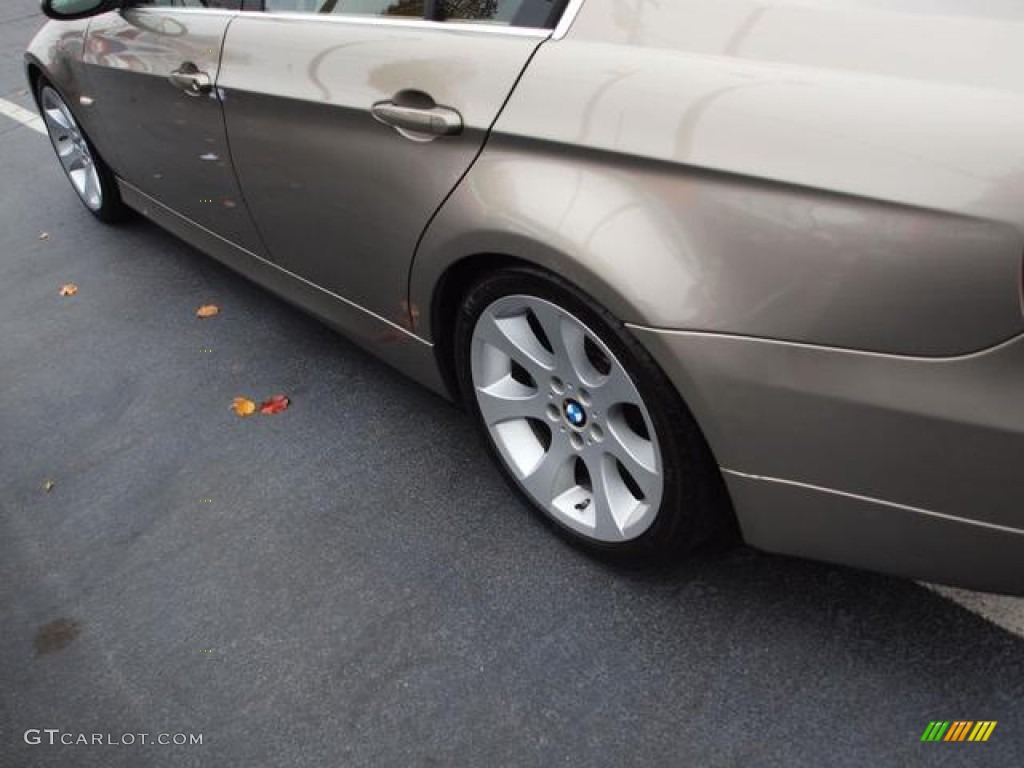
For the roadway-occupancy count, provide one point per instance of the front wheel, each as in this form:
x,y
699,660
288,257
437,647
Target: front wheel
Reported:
x,y
90,177
581,419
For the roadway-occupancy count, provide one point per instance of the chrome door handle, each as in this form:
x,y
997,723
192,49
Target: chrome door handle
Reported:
x,y
189,79
429,121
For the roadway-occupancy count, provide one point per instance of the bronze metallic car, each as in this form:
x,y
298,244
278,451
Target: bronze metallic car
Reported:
x,y
685,262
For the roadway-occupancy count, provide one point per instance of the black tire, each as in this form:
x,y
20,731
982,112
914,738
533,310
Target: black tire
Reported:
x,y
112,209
694,504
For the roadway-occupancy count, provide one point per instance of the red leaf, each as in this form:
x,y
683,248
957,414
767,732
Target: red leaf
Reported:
x,y
276,404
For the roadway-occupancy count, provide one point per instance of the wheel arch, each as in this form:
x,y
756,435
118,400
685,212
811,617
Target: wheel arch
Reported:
x,y
33,71
583,224
438,306
56,53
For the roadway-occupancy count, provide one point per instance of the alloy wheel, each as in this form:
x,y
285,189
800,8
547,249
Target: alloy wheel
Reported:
x,y
566,418
72,149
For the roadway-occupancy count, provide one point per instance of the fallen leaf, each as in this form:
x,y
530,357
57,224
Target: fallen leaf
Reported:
x,y
243,406
207,310
44,235
48,485
56,635
276,404
68,289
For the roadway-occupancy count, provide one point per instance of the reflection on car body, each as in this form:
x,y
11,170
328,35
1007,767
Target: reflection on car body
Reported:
x,y
682,262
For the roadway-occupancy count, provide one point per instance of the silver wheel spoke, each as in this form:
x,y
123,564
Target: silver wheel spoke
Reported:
x,y
79,178
634,452
616,387
72,161
616,509
508,399
75,162
606,526
553,471
514,337
92,186
55,116
72,149
590,409
567,336
642,474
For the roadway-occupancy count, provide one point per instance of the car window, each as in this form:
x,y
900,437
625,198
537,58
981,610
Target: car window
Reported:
x,y
230,5
414,8
496,11
520,13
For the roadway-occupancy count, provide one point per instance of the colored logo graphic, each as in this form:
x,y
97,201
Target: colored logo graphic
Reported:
x,y
958,730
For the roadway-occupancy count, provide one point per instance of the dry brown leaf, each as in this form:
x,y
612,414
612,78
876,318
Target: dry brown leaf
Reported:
x,y
207,310
243,406
48,485
68,289
275,404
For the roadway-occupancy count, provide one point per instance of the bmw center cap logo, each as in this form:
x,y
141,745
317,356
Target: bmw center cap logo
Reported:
x,y
575,414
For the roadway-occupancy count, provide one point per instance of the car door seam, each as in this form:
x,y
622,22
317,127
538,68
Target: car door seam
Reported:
x,y
219,92
411,317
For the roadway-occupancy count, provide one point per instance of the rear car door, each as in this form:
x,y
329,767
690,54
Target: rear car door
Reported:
x,y
152,69
351,120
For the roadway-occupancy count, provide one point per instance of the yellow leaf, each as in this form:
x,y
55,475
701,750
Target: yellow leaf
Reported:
x,y
207,310
68,289
48,485
243,406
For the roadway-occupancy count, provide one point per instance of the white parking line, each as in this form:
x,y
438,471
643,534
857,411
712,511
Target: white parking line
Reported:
x,y
1006,612
22,115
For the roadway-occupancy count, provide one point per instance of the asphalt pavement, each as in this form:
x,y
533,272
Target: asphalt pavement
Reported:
x,y
350,582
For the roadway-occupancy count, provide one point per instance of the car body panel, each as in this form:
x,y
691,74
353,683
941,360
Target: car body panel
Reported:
x,y
810,213
833,418
387,340
821,524
57,50
905,465
342,199
666,246
943,41
800,197
170,145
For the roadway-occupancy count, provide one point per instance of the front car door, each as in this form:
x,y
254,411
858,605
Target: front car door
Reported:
x,y
352,120
152,69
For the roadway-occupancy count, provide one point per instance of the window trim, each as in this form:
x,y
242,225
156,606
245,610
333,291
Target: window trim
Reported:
x,y
572,9
398,21
454,25
431,12
134,5
170,9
